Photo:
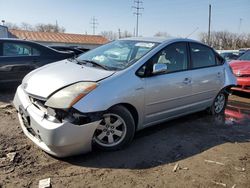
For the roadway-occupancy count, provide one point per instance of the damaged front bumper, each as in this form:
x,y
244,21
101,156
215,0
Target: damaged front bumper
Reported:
x,y
59,139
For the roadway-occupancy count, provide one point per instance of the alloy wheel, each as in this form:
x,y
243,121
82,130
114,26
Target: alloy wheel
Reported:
x,y
111,131
219,103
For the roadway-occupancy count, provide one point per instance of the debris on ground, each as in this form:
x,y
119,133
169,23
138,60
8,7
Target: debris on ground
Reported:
x,y
8,112
45,183
240,169
11,156
176,167
214,162
184,168
219,183
4,106
234,186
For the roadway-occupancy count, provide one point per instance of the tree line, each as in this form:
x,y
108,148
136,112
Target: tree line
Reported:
x,y
218,39
38,27
224,40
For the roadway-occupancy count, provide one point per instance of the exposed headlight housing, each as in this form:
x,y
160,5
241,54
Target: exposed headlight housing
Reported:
x,y
68,96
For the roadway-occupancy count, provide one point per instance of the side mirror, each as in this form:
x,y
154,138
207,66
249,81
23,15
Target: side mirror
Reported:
x,y
159,68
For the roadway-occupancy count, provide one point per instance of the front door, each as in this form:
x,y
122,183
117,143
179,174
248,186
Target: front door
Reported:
x,y
168,94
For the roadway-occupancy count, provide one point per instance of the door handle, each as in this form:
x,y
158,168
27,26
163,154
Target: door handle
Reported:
x,y
219,74
187,81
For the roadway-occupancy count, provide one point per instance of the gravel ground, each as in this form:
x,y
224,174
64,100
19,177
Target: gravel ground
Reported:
x,y
193,151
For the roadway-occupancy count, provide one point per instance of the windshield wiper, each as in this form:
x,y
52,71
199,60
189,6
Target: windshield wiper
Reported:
x,y
92,62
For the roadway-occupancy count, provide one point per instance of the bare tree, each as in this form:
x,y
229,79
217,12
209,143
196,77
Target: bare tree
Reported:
x,y
11,25
39,27
226,40
26,26
49,28
126,34
110,35
161,34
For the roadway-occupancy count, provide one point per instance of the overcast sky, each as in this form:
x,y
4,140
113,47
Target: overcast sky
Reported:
x,y
176,17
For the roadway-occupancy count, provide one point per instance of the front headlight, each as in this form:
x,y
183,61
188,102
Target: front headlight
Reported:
x,y
68,96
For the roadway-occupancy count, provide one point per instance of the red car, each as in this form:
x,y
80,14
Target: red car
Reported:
x,y
237,113
241,69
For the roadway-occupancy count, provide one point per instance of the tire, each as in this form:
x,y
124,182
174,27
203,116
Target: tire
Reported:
x,y
219,104
116,130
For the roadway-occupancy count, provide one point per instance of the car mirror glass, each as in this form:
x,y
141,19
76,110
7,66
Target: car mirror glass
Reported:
x,y
159,68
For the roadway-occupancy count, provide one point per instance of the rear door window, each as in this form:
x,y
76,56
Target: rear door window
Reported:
x,y
202,56
18,49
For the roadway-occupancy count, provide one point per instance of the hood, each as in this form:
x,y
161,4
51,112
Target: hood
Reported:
x,y
240,67
45,80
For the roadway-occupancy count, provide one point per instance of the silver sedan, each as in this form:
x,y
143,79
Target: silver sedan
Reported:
x,y
107,94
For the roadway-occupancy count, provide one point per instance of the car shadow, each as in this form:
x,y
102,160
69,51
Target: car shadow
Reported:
x,y
168,142
241,94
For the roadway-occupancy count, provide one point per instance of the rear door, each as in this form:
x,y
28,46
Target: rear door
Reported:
x,y
207,74
17,60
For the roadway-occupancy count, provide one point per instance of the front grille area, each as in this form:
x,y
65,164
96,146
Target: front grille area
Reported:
x,y
40,104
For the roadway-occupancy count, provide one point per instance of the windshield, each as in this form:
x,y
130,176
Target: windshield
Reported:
x,y
245,56
119,54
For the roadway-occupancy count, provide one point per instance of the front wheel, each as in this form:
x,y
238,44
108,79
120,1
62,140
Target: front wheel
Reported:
x,y
219,104
116,129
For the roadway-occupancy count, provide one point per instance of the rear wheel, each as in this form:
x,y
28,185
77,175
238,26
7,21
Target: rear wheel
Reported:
x,y
219,104
116,129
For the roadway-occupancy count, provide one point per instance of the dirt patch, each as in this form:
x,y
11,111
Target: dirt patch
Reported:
x,y
193,151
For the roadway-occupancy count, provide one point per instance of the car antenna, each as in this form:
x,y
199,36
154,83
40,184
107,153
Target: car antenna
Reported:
x,y
192,32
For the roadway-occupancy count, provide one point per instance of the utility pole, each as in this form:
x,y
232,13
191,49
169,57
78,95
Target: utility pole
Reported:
x,y
209,25
240,25
57,28
119,33
138,7
94,24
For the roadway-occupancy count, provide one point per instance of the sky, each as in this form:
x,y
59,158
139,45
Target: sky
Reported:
x,y
178,18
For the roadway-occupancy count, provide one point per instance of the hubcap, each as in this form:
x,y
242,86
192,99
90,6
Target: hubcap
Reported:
x,y
219,103
111,131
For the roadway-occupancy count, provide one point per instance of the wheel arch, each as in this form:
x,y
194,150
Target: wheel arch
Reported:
x,y
132,110
227,89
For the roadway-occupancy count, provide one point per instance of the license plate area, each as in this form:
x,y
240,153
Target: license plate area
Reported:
x,y
26,120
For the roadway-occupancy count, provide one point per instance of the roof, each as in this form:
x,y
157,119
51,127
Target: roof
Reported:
x,y
58,37
161,39
149,39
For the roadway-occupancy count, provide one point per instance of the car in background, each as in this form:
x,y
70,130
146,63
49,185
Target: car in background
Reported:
x,y
237,113
229,56
19,57
75,49
241,69
107,94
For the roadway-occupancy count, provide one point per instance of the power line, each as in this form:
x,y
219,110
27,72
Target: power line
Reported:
x,y
94,24
138,7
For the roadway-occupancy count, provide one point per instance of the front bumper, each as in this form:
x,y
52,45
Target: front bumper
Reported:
x,y
58,139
